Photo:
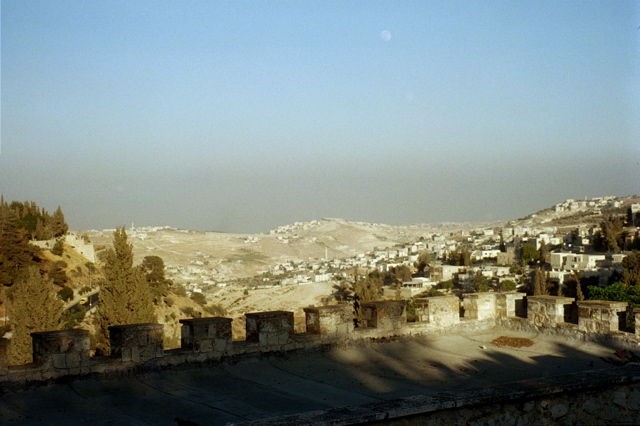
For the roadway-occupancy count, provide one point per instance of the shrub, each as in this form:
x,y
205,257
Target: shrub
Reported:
x,y
508,285
199,298
434,292
65,294
72,318
446,285
190,312
179,290
216,310
58,248
168,301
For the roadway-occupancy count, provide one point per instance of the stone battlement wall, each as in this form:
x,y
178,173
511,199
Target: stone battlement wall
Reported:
x,y
139,347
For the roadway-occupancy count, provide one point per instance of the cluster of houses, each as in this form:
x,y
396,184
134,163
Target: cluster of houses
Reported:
x,y
492,251
594,204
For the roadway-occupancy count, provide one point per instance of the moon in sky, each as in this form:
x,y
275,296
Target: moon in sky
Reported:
x,y
385,35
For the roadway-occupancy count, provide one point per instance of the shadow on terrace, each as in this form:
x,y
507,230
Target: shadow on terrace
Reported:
x,y
213,380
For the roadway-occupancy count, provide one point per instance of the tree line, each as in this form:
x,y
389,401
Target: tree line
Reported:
x,y
128,294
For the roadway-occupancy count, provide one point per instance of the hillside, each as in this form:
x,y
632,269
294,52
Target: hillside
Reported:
x,y
223,257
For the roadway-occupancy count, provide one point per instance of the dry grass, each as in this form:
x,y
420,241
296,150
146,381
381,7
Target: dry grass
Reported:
x,y
512,342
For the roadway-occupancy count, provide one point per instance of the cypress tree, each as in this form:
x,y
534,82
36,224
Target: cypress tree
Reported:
x,y
539,283
32,307
125,297
58,225
16,254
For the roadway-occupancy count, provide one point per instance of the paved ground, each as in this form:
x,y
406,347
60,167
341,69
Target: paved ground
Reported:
x,y
259,388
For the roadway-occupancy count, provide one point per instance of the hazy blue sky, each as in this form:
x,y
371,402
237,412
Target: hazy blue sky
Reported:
x,y
244,115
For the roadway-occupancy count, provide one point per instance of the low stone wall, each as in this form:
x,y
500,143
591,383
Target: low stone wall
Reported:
x,y
137,347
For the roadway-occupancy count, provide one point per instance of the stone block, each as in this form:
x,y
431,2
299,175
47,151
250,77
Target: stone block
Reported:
x,y
599,316
479,306
54,347
441,311
330,321
388,315
547,311
136,342
207,334
506,304
269,328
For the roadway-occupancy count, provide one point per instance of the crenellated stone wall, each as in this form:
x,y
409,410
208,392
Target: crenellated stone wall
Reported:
x,y
139,346
66,351
599,316
388,315
442,311
547,311
273,328
479,306
207,335
330,322
136,342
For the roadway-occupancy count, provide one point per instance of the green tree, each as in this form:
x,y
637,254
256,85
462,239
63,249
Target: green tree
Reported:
x,y
65,294
609,237
480,283
460,257
16,254
125,297
540,287
32,307
153,269
58,225
57,273
446,285
366,290
397,274
424,258
73,317
631,272
508,285
528,254
58,248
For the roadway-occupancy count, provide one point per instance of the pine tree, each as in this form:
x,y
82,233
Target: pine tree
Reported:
x,y
32,307
16,254
58,225
125,297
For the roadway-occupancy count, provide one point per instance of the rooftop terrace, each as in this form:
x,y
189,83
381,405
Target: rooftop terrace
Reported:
x,y
444,368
